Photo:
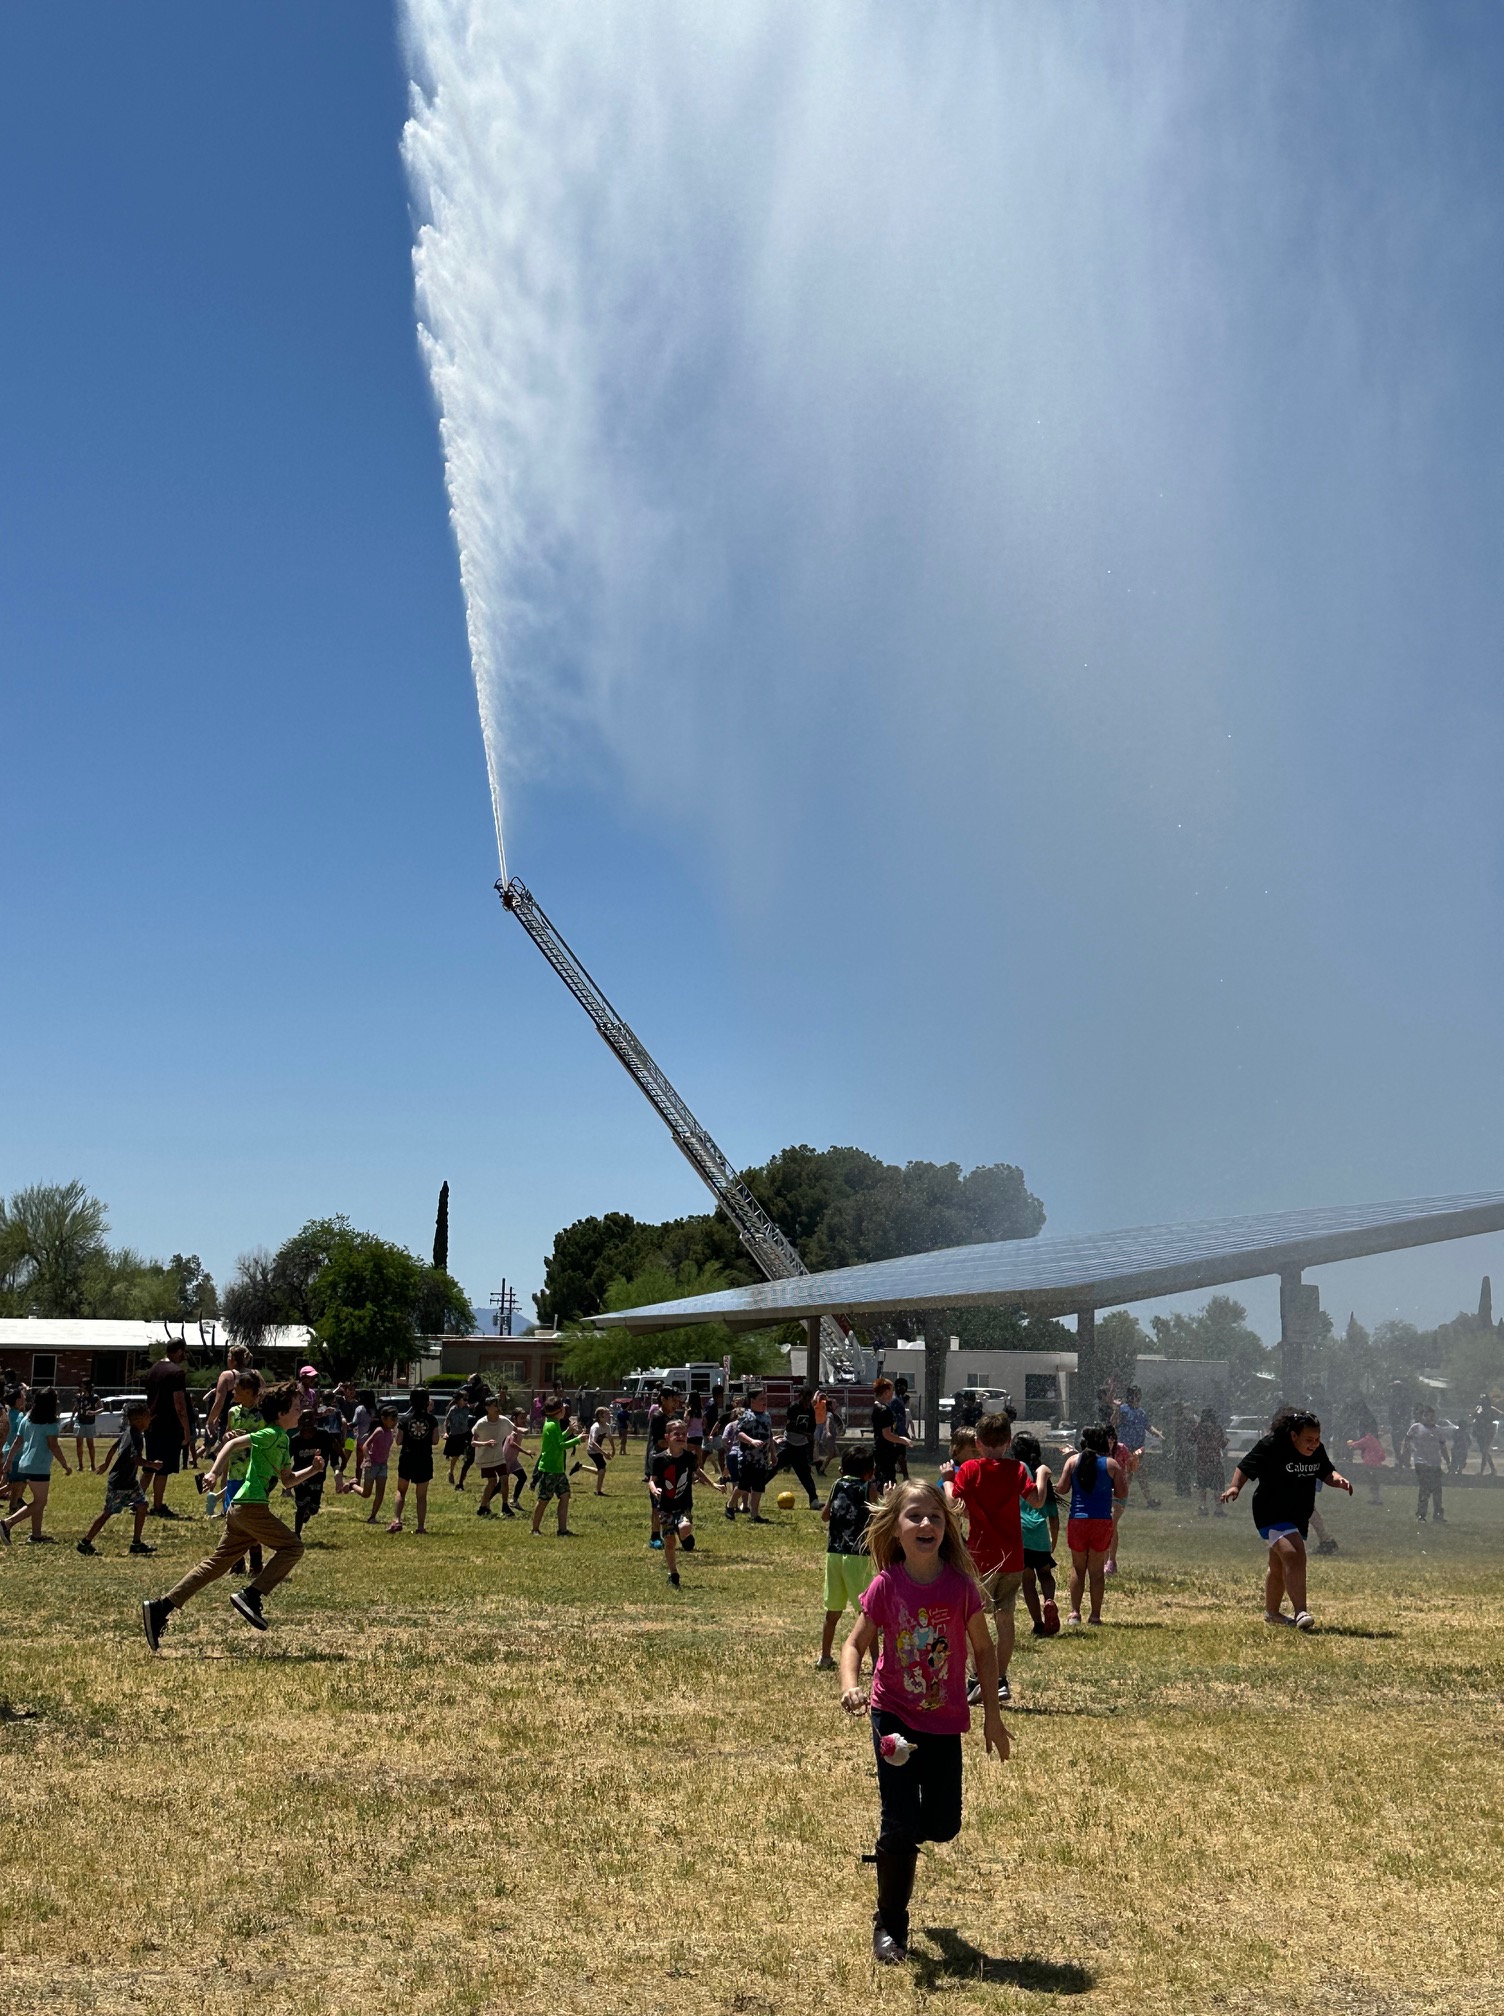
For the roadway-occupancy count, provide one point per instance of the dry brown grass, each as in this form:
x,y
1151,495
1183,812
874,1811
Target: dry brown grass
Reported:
x,y
482,1772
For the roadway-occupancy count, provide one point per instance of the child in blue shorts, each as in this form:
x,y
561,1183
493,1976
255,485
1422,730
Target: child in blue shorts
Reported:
x,y
1286,1465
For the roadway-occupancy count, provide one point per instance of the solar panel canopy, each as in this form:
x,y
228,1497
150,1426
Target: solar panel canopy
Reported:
x,y
1059,1277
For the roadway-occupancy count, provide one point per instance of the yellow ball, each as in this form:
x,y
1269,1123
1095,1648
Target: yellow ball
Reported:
x,y
785,1501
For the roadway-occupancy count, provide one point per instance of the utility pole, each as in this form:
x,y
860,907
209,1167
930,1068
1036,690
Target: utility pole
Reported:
x,y
504,1302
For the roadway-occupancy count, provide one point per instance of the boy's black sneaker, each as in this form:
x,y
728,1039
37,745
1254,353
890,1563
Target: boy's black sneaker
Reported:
x,y
87,1547
507,1512
973,1692
1004,1691
687,1542
164,1512
247,1602
154,1616
484,1512
673,1578
136,1547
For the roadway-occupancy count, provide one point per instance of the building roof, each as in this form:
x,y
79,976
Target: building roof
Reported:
x,y
104,1333
1058,1277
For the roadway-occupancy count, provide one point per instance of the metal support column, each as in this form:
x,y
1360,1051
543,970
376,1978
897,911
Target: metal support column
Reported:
x,y
936,1351
1299,1314
812,1350
1084,1398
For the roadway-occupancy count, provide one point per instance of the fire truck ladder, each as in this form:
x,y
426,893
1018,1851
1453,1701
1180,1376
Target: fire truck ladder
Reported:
x,y
775,1254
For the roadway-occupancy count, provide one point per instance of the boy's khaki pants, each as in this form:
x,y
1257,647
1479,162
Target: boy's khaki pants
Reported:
x,y
246,1526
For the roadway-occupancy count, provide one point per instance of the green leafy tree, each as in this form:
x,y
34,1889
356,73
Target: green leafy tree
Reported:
x,y
365,1298
1121,1339
840,1206
55,1233
1219,1329
602,1358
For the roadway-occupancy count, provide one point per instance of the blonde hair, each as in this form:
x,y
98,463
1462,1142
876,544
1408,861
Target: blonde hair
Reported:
x,y
883,1543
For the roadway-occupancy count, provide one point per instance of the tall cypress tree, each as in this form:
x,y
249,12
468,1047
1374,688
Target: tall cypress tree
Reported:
x,y
441,1231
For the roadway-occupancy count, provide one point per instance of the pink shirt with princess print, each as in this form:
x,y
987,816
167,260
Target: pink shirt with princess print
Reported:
x,y
921,1669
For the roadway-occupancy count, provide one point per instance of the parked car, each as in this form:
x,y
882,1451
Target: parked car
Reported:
x,y
1243,1430
108,1422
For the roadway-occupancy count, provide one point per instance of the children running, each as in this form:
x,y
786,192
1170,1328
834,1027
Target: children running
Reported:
x,y
1286,1465
600,1436
457,1442
991,1486
925,1604
1370,1452
416,1433
1094,1481
1211,1445
32,1455
375,1458
1041,1531
848,1565
122,1484
551,1478
251,1521
512,1464
672,1475
488,1441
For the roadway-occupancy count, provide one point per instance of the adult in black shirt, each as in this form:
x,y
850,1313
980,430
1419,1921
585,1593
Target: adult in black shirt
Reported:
x,y
887,1440
798,1444
1286,1465
169,1439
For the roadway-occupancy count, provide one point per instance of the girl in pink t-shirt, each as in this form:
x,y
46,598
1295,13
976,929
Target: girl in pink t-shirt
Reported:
x,y
925,1603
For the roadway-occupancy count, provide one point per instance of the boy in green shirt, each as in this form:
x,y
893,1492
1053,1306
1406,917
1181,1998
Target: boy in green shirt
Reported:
x,y
251,1521
553,1465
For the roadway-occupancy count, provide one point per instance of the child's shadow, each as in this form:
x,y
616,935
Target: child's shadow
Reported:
x,y
959,1960
1352,1631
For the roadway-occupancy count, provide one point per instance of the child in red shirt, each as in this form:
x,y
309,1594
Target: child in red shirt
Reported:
x,y
991,1487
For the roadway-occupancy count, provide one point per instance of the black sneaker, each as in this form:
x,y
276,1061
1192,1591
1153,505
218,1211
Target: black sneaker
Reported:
x,y
87,1547
506,1512
154,1616
673,1578
687,1542
484,1512
39,1540
247,1602
136,1547
886,1950
1004,1691
164,1512
973,1692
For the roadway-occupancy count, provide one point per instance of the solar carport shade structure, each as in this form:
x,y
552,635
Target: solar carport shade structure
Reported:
x,y
1059,1277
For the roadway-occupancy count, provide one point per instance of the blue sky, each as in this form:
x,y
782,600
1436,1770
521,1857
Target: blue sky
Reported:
x,y
1024,587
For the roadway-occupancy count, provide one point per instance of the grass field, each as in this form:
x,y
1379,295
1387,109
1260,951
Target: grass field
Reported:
x,y
480,1771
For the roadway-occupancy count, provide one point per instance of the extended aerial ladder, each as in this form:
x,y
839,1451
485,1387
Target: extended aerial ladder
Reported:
x,y
773,1252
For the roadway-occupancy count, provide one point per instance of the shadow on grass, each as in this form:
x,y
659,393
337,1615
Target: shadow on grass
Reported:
x,y
1096,1710
254,1653
959,1960
1352,1631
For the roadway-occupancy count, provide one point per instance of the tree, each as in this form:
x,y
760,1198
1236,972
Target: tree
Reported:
x,y
1121,1339
55,1235
1217,1330
365,1298
839,1206
441,1232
